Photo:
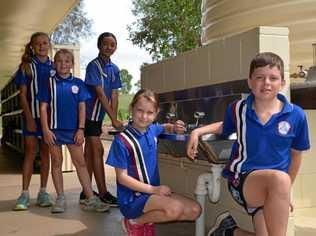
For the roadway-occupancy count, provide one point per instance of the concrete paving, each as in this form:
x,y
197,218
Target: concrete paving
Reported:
x,y
75,221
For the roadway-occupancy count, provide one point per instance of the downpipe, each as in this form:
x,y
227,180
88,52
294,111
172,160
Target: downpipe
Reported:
x,y
207,183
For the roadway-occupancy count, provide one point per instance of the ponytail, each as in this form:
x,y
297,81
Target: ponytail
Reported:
x,y
28,54
26,60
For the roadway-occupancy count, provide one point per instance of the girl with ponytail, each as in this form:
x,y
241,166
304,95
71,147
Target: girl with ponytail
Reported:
x,y
35,67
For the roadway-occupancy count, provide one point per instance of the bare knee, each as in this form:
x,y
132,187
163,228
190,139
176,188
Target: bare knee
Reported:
x,y
195,212
281,183
79,162
57,163
175,211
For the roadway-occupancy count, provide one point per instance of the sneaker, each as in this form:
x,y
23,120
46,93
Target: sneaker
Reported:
x,y
149,229
109,199
95,204
132,229
82,198
22,203
60,205
43,199
223,223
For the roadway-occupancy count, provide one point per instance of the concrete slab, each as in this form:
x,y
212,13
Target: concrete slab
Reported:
x,y
75,221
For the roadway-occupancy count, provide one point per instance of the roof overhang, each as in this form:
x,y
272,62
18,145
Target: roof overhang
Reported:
x,y
19,19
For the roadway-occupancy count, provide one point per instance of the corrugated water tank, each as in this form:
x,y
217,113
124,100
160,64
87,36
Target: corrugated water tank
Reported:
x,y
222,18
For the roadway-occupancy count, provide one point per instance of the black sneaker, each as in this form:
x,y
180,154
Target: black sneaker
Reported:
x,y
82,197
109,199
223,223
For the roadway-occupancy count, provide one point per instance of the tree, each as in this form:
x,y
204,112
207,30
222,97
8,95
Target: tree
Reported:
x,y
75,26
137,85
126,78
166,28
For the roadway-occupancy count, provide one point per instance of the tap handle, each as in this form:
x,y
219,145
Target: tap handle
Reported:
x,y
170,116
199,114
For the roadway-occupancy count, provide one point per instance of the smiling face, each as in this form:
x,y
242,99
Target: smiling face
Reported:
x,y
266,82
107,47
41,46
144,112
63,63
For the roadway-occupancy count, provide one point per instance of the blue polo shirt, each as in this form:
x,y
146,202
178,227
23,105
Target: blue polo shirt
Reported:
x,y
40,72
121,156
63,96
265,146
106,75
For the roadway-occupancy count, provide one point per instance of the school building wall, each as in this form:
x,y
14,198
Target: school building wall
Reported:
x,y
225,60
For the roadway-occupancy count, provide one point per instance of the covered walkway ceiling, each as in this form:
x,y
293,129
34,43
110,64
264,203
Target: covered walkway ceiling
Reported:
x,y
18,20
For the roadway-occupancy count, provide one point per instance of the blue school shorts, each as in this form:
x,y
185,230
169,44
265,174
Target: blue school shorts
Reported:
x,y
135,209
93,128
64,136
38,133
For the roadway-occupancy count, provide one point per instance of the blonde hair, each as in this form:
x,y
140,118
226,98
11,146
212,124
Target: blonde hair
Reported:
x,y
26,58
145,93
65,52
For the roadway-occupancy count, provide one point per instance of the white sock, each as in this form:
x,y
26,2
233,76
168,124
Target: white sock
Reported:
x,y
133,222
61,195
25,192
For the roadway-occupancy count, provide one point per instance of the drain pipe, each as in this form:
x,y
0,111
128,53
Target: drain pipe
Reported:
x,y
207,183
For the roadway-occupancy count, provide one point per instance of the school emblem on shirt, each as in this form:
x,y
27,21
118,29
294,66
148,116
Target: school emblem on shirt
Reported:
x,y
52,72
284,127
75,89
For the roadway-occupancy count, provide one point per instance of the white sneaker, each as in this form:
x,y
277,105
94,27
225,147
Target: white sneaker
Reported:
x,y
60,205
95,204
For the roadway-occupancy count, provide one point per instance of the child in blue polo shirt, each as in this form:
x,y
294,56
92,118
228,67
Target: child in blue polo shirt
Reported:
x,y
34,68
265,159
133,154
62,111
103,81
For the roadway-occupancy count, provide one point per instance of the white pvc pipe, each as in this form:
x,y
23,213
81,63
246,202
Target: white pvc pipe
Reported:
x,y
207,183
200,222
214,185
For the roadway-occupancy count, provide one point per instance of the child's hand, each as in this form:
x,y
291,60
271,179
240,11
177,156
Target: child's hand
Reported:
x,y
192,145
179,127
79,137
162,190
117,124
49,137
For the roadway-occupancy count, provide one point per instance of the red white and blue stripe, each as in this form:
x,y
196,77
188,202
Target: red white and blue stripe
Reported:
x,y
264,146
137,153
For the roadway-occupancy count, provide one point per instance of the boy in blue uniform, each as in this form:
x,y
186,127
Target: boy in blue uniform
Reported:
x,y
103,81
63,117
265,159
33,70
133,154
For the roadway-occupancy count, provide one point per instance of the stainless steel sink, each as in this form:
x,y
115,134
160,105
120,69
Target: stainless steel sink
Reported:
x,y
212,148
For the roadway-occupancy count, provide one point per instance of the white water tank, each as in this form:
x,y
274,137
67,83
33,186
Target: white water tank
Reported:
x,y
222,18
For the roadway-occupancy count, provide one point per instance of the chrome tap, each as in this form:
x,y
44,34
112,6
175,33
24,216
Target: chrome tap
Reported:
x,y
170,117
198,115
